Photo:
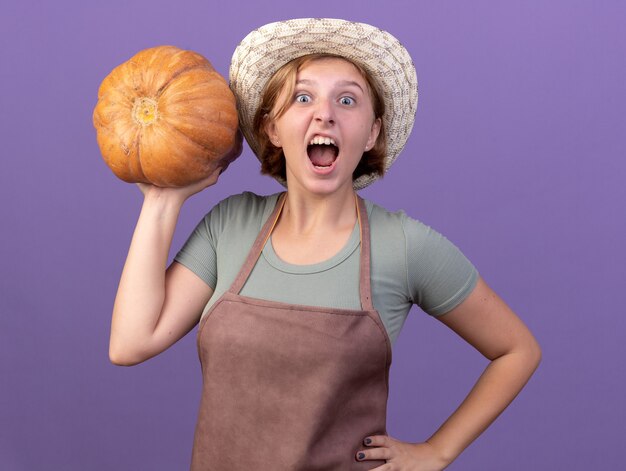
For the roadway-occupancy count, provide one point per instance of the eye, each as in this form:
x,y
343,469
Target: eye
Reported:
x,y
302,98
346,100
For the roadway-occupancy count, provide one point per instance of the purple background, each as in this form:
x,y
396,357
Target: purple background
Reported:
x,y
517,155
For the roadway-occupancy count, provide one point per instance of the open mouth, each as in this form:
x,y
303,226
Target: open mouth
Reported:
x,y
322,152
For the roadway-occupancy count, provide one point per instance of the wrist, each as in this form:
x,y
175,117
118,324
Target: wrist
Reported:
x,y
445,455
163,198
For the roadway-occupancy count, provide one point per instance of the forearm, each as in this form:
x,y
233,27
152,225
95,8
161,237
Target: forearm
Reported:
x,y
141,291
499,384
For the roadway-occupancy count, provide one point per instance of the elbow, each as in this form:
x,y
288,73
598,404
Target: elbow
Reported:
x,y
527,354
122,361
532,354
536,354
128,350
123,357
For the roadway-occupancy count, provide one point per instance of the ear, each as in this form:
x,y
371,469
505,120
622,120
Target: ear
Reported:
x,y
271,131
374,132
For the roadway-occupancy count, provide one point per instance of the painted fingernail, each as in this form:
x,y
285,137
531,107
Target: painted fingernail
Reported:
x,y
361,456
368,441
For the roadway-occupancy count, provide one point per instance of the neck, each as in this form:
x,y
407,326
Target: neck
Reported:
x,y
306,214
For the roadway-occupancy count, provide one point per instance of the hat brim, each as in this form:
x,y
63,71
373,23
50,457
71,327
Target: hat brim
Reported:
x,y
266,49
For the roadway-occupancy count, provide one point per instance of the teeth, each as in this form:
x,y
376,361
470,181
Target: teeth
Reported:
x,y
319,140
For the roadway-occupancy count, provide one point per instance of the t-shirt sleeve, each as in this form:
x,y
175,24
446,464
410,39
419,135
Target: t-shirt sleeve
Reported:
x,y
439,276
228,229
199,253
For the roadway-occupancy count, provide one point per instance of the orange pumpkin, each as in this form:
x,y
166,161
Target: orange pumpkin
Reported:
x,y
166,117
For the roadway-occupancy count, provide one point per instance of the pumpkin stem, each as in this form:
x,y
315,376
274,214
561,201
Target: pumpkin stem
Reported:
x,y
145,111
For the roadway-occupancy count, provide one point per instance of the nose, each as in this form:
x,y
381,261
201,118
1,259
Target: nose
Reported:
x,y
324,112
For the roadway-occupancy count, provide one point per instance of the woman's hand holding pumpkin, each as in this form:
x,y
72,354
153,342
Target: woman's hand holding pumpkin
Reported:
x,y
180,194
401,456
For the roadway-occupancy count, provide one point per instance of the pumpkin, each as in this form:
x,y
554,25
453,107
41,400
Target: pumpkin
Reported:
x,y
166,117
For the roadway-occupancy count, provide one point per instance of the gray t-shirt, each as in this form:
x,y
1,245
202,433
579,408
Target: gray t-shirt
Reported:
x,y
410,263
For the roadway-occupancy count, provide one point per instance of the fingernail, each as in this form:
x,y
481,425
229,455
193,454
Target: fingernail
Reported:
x,y
361,456
368,441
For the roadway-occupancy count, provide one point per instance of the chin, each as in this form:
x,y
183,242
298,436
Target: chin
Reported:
x,y
324,187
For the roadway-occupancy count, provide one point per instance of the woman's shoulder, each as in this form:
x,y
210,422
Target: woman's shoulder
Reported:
x,y
382,219
412,234
438,274
236,218
247,202
242,207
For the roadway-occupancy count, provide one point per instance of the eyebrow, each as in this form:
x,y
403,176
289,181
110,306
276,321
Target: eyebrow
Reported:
x,y
342,83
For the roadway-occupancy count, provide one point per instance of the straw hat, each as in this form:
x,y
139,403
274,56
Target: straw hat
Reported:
x,y
268,48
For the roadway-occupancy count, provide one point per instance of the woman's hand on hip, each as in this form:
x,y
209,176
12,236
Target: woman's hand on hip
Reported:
x,y
401,456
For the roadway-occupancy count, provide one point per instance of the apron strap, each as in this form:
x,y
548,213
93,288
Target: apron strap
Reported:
x,y
365,291
257,247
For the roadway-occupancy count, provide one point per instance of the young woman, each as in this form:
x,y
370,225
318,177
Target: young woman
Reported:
x,y
300,295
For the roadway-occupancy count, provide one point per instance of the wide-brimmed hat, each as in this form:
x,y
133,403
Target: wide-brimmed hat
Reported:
x,y
268,48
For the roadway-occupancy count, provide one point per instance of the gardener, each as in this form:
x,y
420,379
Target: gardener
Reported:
x,y
299,296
